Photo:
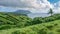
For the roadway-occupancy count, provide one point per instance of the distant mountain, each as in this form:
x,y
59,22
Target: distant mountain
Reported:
x,y
18,12
22,12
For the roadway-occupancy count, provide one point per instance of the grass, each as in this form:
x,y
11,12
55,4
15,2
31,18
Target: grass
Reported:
x,y
44,28
11,24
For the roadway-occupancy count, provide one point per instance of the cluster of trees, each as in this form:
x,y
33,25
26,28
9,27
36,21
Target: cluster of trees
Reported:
x,y
38,20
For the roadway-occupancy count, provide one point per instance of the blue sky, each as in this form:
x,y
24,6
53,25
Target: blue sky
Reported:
x,y
9,6
7,9
53,1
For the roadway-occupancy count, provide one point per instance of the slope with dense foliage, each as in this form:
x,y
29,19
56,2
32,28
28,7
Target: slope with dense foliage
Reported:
x,y
20,24
44,28
12,20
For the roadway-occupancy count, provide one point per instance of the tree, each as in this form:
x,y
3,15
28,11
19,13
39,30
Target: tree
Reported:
x,y
38,20
50,11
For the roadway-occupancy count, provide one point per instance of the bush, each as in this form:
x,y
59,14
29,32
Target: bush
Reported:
x,y
48,19
49,27
16,32
3,27
42,31
58,30
38,20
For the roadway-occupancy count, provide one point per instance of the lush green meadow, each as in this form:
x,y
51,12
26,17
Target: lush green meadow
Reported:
x,y
21,24
44,28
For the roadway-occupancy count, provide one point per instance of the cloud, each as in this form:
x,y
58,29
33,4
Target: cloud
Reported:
x,y
26,3
57,7
57,4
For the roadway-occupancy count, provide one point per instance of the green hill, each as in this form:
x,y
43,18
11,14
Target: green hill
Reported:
x,y
44,28
13,20
20,24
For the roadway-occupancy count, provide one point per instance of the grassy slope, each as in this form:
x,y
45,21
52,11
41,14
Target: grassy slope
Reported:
x,y
51,28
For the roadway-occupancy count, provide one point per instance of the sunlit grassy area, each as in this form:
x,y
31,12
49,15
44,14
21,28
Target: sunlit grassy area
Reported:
x,y
44,28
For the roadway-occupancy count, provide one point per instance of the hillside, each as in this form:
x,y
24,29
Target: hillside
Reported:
x,y
20,24
29,16
44,28
8,21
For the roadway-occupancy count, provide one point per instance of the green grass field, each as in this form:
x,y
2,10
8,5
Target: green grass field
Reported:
x,y
44,28
19,24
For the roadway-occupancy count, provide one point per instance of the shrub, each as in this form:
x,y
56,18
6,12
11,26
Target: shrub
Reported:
x,y
48,19
58,30
3,27
42,31
49,27
16,32
38,20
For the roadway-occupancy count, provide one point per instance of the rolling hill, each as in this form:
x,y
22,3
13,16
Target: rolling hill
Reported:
x,y
19,24
44,28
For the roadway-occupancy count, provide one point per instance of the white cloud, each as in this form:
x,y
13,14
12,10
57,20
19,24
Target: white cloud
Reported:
x,y
26,3
57,7
39,5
